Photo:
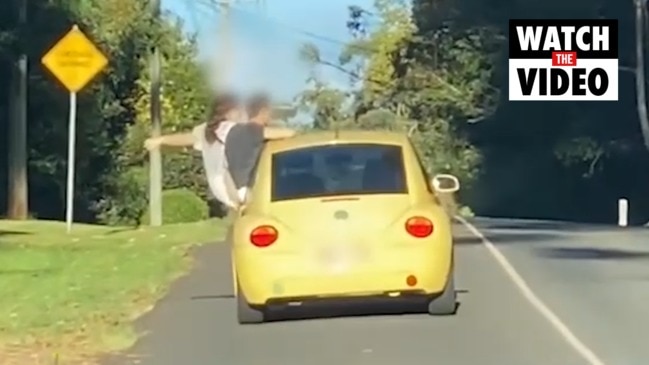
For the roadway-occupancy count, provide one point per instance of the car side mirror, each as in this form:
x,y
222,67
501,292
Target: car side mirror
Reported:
x,y
445,183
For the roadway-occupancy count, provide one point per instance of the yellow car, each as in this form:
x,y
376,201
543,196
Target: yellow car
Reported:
x,y
348,214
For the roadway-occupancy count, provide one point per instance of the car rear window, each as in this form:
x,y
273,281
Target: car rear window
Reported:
x,y
341,169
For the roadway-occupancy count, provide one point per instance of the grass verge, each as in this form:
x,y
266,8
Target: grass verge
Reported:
x,y
78,294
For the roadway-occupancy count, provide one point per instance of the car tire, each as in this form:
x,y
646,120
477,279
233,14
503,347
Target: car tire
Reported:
x,y
247,314
445,303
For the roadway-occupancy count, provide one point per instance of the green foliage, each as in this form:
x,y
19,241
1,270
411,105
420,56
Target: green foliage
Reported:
x,y
104,278
442,154
185,170
410,86
438,70
541,159
112,110
580,151
127,199
431,68
181,206
184,101
465,212
324,103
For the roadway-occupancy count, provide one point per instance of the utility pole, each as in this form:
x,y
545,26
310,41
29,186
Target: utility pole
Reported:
x,y
641,98
155,156
17,157
265,74
225,60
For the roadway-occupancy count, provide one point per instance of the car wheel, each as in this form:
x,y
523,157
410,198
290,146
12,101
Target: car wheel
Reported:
x,y
246,314
444,303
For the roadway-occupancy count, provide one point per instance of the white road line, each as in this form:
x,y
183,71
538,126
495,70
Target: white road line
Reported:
x,y
565,332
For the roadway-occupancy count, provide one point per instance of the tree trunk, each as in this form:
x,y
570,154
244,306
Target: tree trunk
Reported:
x,y
640,85
17,154
641,100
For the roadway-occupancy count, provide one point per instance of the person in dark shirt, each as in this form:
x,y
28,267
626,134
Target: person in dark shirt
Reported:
x,y
245,141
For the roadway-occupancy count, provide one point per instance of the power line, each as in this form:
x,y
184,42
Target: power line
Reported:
x,y
360,47
330,64
294,28
226,35
279,23
333,65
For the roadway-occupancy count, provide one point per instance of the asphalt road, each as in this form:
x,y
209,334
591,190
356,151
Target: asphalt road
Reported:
x,y
579,296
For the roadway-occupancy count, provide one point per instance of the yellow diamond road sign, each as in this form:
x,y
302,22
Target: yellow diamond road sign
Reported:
x,y
74,60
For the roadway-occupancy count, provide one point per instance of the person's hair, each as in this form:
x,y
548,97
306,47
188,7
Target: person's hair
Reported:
x,y
256,104
221,106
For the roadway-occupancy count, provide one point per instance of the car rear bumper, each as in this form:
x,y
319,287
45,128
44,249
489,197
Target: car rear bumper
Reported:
x,y
283,279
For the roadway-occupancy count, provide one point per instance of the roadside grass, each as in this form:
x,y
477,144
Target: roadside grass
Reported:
x,y
79,294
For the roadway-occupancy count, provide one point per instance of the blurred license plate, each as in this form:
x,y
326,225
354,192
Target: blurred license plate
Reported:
x,y
338,260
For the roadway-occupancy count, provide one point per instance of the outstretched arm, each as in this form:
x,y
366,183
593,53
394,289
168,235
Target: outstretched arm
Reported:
x,y
171,140
278,133
187,139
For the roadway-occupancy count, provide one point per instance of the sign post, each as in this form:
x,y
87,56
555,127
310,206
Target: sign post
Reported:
x,y
74,61
72,133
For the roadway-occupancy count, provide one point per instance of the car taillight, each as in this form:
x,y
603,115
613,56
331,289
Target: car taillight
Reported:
x,y
263,236
419,227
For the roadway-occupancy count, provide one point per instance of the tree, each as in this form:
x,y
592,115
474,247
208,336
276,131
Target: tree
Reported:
x,y
17,156
107,108
544,159
442,67
403,85
640,81
184,100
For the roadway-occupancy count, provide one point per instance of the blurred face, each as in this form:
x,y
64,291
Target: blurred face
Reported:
x,y
243,116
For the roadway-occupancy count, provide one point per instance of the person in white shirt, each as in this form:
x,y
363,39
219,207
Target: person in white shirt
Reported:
x,y
210,138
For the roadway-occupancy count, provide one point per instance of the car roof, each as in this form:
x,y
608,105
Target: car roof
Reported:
x,y
318,138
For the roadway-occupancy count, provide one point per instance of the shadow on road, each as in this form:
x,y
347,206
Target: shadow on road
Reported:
x,y
389,307
586,253
323,311
513,237
557,226
211,297
342,311
231,295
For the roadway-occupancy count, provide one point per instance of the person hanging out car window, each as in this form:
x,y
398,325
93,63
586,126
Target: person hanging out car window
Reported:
x,y
246,140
